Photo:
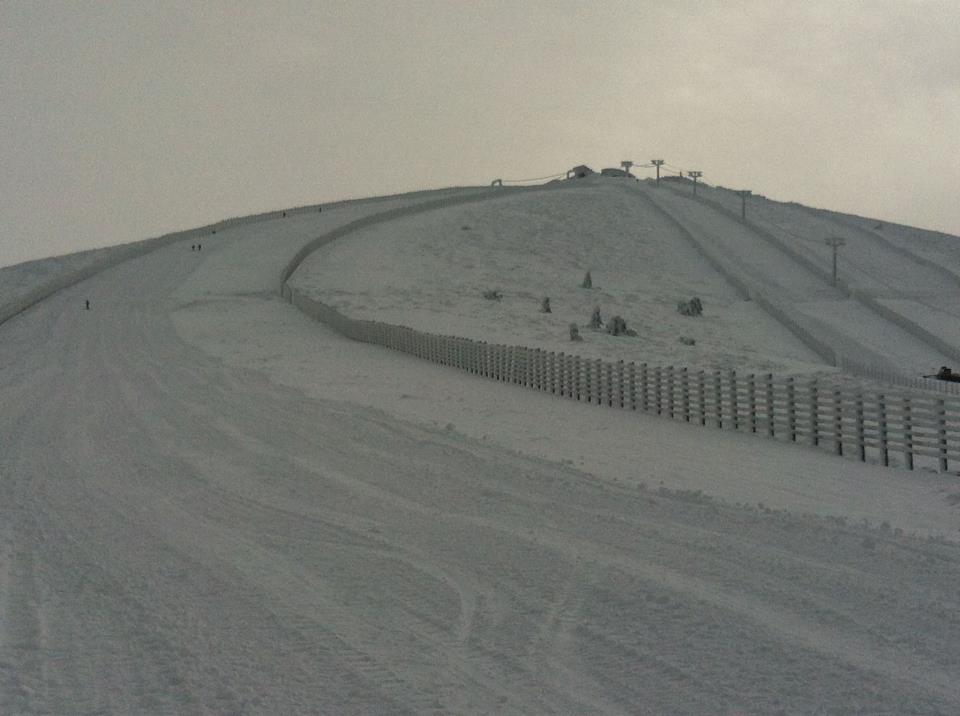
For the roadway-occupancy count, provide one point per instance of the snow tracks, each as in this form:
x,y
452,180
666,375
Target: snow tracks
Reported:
x,y
798,287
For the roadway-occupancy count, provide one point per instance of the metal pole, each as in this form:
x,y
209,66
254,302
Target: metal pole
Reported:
x,y
744,193
694,175
657,163
835,242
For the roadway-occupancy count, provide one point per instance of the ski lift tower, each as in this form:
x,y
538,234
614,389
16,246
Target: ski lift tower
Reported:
x,y
743,193
657,163
694,175
835,242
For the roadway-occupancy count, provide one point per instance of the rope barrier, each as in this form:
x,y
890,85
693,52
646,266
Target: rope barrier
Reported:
x,y
521,181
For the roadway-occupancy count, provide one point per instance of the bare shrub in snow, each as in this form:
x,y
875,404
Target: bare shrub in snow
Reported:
x,y
687,340
492,295
693,307
617,326
545,305
596,322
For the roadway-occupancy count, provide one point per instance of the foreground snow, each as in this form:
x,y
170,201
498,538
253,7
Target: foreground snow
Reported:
x,y
210,504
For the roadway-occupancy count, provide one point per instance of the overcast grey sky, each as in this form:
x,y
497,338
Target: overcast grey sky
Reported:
x,y
120,121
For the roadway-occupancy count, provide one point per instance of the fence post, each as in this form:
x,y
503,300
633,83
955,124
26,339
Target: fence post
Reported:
x,y
771,427
791,410
942,432
643,387
609,384
542,365
632,381
838,421
559,373
907,434
814,414
656,384
752,401
701,397
718,397
598,383
544,370
882,427
620,382
576,376
861,441
734,403
670,391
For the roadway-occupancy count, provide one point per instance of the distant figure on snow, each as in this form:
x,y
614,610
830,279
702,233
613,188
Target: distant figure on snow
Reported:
x,y
545,305
88,304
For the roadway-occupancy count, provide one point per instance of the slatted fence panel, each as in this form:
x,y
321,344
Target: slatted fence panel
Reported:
x,y
892,428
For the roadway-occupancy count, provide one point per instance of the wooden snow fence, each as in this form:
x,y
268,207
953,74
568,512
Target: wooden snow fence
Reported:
x,y
892,428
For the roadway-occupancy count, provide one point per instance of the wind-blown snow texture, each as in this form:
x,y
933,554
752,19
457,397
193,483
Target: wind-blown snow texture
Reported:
x,y
210,504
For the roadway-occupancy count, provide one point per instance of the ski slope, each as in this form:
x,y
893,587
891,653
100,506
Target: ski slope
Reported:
x,y
210,504
429,271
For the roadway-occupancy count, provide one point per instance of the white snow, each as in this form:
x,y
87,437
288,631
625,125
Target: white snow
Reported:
x,y
429,272
212,504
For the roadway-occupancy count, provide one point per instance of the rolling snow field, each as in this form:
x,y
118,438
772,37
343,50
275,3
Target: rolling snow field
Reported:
x,y
211,504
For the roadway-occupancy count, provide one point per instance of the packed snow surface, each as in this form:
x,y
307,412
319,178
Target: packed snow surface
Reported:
x,y
430,271
211,504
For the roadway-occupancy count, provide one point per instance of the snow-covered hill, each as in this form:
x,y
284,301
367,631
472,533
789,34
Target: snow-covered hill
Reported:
x,y
210,503
430,272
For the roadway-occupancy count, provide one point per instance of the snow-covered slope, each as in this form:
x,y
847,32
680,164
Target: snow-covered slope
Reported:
x,y
211,504
430,272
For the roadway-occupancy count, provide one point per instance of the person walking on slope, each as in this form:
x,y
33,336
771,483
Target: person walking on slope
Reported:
x,y
88,304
